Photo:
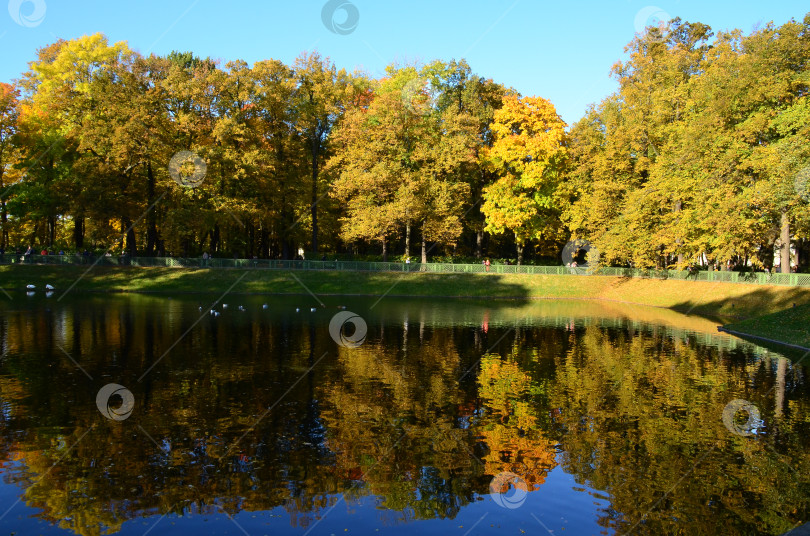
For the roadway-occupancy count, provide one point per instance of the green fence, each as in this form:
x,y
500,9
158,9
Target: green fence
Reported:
x,y
760,278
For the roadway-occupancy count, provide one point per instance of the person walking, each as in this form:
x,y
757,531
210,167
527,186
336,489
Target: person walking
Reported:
x,y
486,265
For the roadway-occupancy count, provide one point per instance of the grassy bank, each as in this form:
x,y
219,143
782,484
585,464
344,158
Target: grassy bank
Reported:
x,y
718,300
791,326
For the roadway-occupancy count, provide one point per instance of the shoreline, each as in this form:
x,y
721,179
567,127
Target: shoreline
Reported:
x,y
744,335
724,303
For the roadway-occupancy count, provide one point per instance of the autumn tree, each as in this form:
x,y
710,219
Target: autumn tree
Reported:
x,y
632,175
529,155
399,162
321,97
60,85
9,117
700,155
684,162
468,93
776,128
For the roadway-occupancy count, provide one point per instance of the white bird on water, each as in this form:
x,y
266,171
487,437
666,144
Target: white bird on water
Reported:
x,y
49,287
30,287
241,308
313,309
224,305
264,306
297,309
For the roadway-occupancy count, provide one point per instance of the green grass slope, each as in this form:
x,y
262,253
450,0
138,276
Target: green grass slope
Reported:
x,y
791,326
727,301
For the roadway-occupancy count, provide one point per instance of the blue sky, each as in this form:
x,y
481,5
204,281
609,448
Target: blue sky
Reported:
x,y
562,51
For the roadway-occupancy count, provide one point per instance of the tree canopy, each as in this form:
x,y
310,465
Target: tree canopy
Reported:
x,y
702,156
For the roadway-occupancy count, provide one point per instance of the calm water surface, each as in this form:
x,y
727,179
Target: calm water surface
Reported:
x,y
451,418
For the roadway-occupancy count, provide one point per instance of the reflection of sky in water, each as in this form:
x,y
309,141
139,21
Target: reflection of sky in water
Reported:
x,y
561,505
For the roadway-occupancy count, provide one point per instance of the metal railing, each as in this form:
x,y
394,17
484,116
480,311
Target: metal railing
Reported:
x,y
760,278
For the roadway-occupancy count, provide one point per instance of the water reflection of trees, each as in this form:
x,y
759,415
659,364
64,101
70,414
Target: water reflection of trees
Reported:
x,y
392,417
626,412
640,417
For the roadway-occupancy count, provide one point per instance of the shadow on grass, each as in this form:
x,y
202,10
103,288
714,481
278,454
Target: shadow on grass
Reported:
x,y
758,301
260,281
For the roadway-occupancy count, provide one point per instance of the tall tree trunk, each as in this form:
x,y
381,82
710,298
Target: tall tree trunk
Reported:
x,y
314,209
767,249
519,247
128,235
424,249
678,206
78,232
784,248
384,249
214,239
408,239
51,230
151,217
132,246
480,218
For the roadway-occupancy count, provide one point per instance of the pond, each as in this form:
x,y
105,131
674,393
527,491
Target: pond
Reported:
x,y
285,416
